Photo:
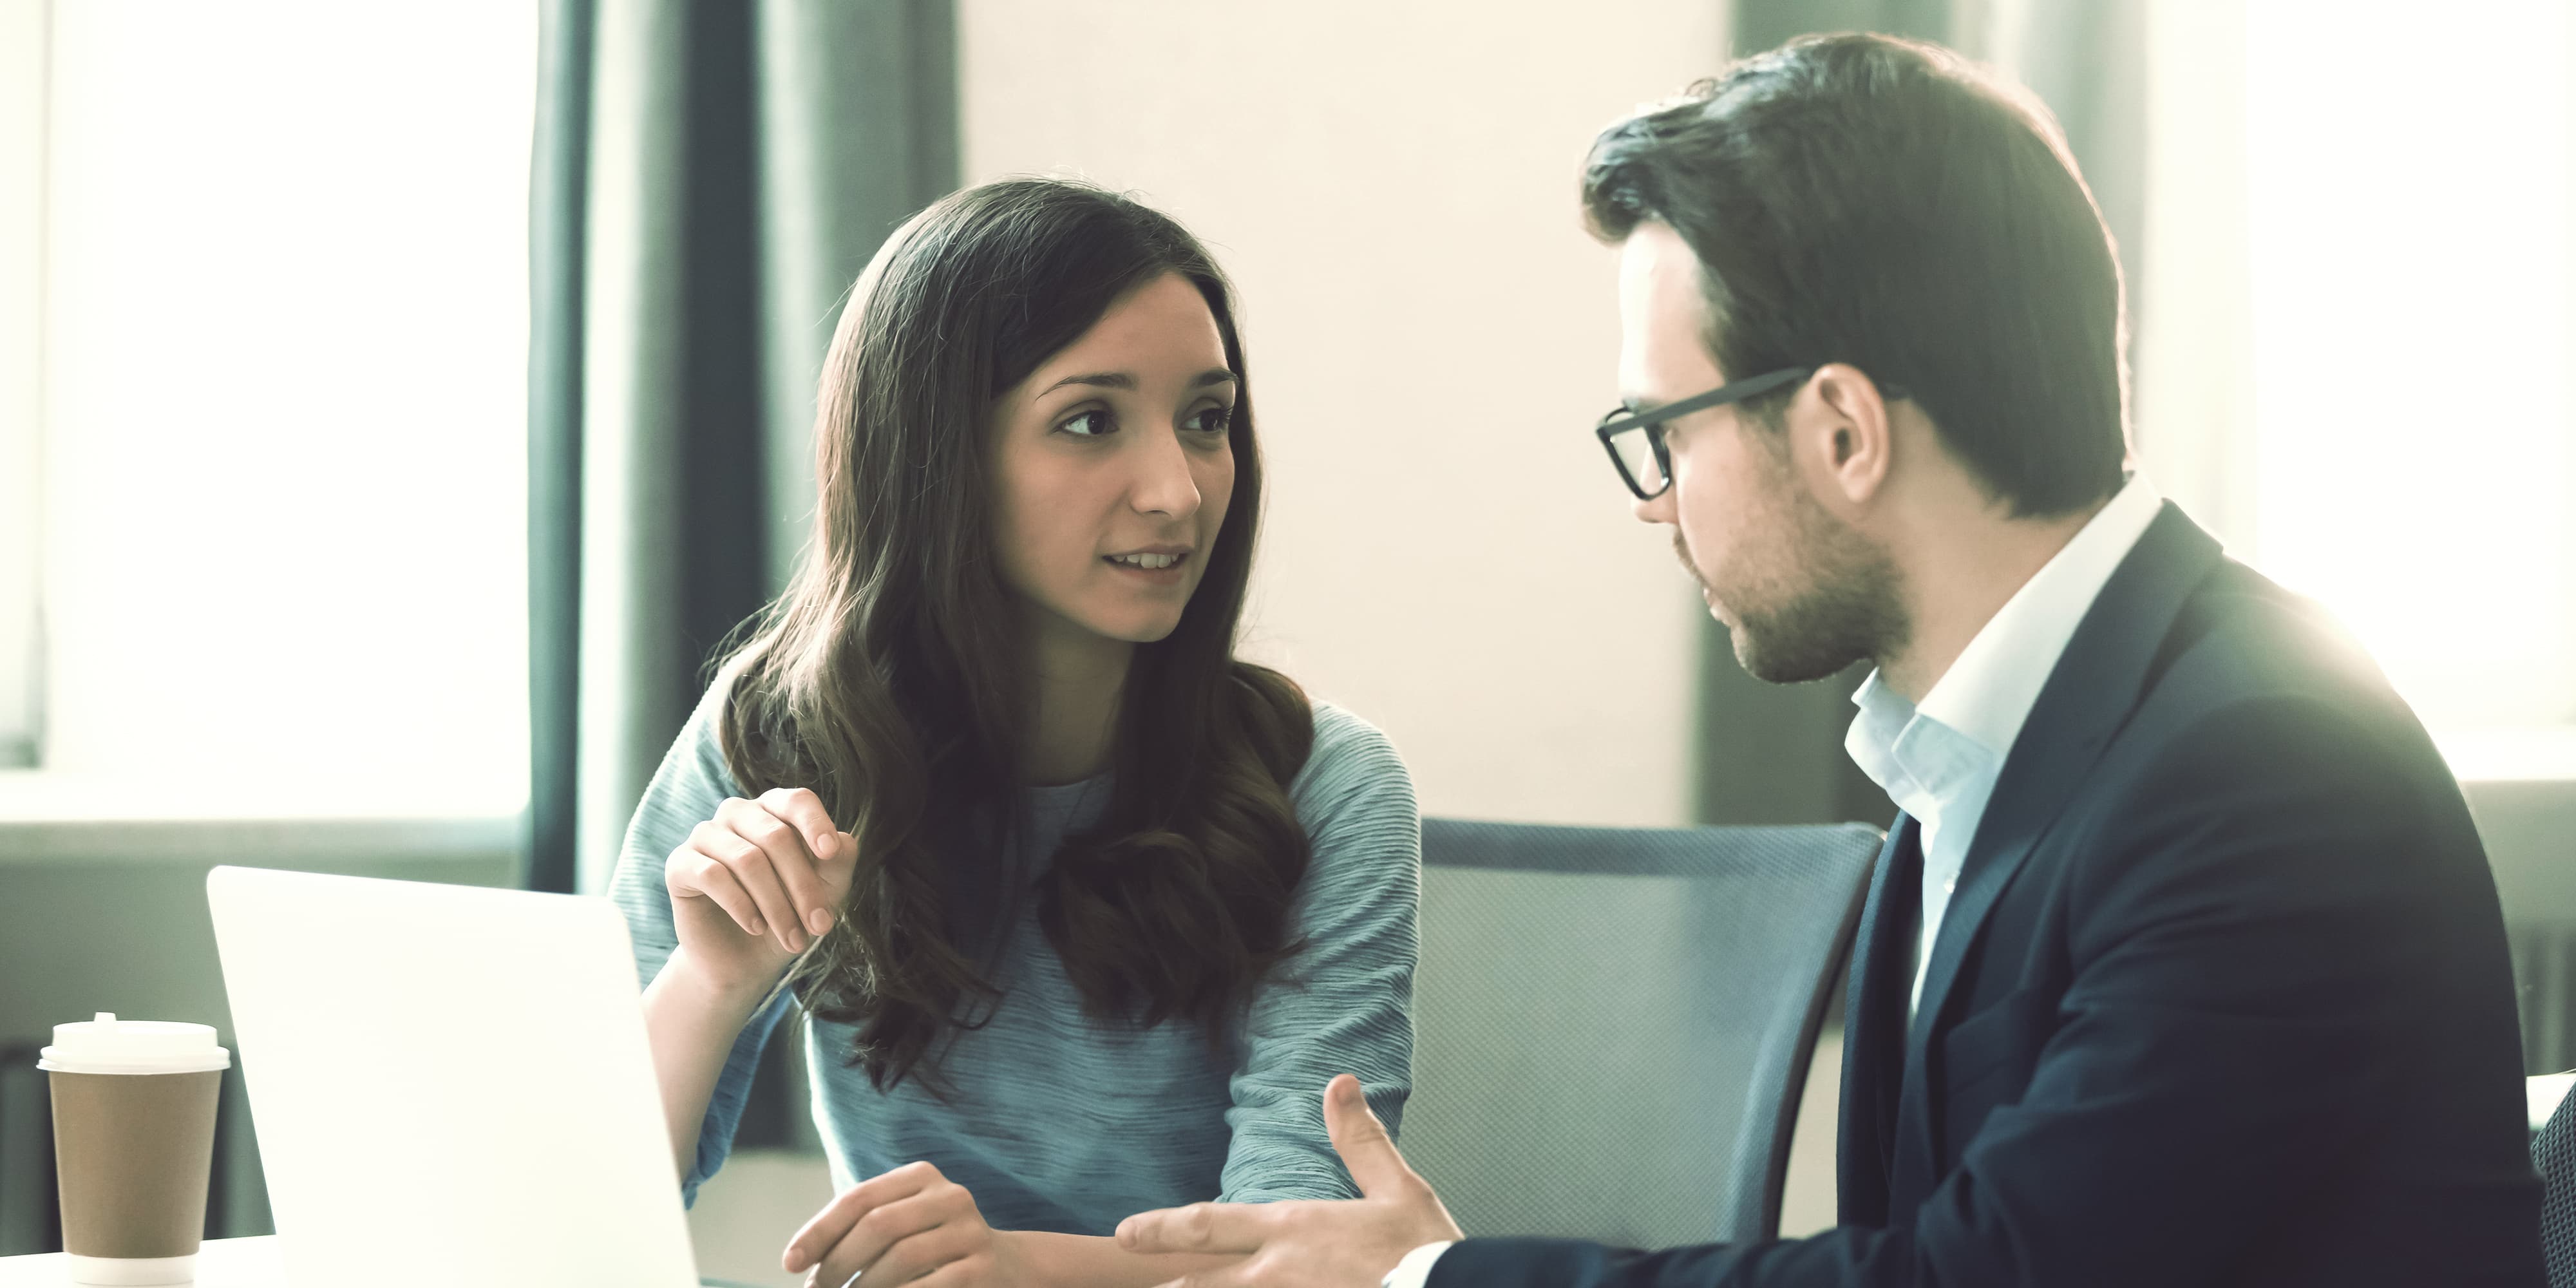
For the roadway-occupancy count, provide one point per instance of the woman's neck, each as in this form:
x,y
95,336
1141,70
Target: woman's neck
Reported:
x,y
1080,676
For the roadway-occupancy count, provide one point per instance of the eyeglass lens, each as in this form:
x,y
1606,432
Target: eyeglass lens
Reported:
x,y
1636,451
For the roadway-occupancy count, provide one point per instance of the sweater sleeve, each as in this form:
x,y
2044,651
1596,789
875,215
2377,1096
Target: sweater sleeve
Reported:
x,y
1345,1004
685,792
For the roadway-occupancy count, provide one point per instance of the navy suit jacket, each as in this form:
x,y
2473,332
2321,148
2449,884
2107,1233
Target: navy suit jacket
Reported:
x,y
2221,996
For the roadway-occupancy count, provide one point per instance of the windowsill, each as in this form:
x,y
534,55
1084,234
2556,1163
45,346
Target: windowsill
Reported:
x,y
67,818
51,796
2521,787
2510,755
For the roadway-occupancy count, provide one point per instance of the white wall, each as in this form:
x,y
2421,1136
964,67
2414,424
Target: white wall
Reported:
x,y
1430,334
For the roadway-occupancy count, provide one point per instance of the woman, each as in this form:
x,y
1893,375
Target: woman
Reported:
x,y
1083,909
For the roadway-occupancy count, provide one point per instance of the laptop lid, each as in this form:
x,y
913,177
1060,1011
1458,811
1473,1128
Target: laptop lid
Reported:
x,y
451,1084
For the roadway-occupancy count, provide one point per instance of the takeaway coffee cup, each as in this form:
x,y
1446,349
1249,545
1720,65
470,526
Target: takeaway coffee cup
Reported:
x,y
134,1143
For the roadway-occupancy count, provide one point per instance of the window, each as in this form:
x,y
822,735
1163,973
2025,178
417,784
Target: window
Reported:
x,y
22,258
283,335
2400,273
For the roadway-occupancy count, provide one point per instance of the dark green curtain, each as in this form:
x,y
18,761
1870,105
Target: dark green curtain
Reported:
x,y
1772,753
709,177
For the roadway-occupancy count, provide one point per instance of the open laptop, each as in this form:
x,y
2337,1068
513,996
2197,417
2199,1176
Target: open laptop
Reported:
x,y
451,1084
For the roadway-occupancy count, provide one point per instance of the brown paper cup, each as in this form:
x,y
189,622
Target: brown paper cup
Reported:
x,y
134,1145
132,1152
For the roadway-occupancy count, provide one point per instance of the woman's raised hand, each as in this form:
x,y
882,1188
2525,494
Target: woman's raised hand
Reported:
x,y
754,885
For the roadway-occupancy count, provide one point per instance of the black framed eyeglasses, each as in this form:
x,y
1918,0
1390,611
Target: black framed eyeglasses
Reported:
x,y
1635,439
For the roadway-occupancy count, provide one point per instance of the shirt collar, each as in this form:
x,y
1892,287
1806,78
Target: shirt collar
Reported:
x,y
1923,765
1988,692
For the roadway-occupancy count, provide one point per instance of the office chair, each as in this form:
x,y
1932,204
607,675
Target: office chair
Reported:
x,y
1613,1026
2553,1151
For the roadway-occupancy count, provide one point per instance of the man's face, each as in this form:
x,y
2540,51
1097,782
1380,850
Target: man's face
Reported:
x,y
1802,594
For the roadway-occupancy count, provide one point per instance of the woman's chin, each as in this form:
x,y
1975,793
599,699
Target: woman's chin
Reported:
x,y
1132,627
1153,632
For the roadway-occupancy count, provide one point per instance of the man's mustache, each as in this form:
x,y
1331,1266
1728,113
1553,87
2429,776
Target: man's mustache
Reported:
x,y
1681,551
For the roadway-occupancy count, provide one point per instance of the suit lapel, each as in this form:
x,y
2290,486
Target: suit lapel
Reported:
x,y
1873,1042
2089,695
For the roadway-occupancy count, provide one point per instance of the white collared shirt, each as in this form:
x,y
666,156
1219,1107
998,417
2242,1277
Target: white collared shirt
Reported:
x,y
1938,761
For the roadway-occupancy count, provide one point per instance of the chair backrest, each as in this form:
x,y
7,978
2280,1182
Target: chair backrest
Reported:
x,y
2553,1151
1613,1025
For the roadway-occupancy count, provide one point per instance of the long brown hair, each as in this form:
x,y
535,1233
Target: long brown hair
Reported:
x,y
892,676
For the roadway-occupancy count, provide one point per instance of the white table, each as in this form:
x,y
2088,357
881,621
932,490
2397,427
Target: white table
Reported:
x,y
221,1263
253,1262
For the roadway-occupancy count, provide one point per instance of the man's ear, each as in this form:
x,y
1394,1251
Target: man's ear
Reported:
x,y
1839,423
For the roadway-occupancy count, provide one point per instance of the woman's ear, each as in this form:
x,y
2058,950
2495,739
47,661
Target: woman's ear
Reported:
x,y
1839,425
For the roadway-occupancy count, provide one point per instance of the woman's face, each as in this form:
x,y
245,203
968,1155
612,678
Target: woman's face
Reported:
x,y
1113,466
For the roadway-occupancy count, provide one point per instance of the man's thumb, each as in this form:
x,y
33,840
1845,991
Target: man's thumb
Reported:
x,y
1361,1139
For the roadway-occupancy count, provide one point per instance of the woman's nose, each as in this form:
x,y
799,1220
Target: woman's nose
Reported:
x,y
1163,482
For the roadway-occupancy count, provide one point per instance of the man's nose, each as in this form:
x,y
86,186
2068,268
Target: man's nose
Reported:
x,y
1658,510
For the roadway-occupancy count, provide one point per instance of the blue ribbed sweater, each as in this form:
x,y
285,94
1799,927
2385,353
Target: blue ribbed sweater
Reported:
x,y
1057,1123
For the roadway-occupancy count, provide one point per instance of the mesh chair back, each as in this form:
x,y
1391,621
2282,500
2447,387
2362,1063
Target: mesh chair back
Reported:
x,y
2554,1152
1613,1026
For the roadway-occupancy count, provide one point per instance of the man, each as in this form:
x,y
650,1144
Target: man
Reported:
x,y
2182,965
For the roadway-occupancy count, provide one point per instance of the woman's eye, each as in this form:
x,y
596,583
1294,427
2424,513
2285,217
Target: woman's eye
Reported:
x,y
1214,420
1090,424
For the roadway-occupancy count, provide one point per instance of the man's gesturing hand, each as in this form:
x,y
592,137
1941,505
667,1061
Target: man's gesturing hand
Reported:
x,y
1349,1244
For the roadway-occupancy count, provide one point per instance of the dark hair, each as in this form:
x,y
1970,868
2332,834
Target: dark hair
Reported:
x,y
1876,201
891,677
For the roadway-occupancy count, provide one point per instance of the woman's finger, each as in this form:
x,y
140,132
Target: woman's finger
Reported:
x,y
801,809
799,839
693,873
880,1229
783,850
833,1223
750,865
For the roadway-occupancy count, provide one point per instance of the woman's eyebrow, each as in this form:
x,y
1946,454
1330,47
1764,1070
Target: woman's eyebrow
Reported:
x,y
1102,379
1127,380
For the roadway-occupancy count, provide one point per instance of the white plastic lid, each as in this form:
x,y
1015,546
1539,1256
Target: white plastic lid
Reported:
x,y
110,1045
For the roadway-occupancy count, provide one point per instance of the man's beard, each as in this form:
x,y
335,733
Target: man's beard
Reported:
x,y
1847,608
